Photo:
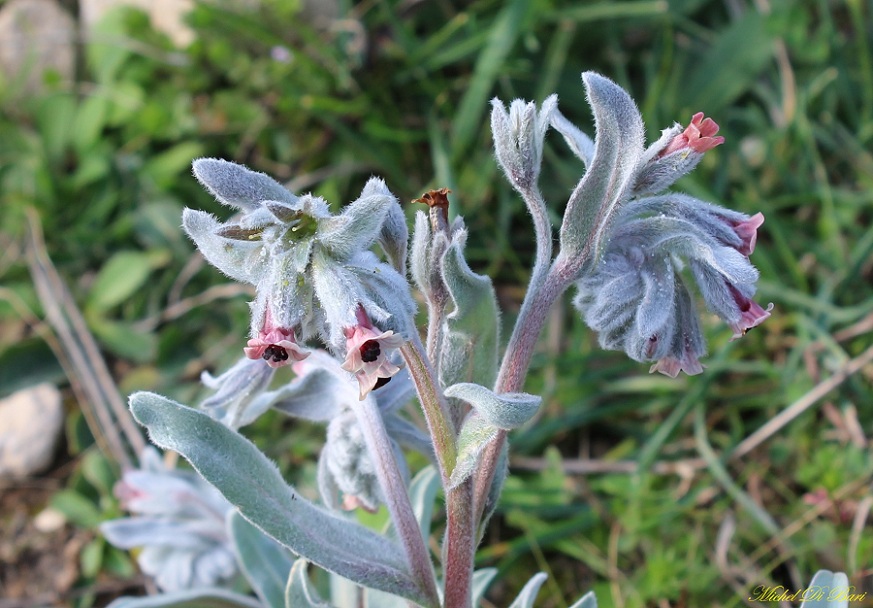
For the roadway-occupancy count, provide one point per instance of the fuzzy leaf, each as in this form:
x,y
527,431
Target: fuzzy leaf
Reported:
x,y
238,186
586,601
265,562
419,258
505,410
528,594
239,260
481,579
829,583
193,598
254,485
580,144
299,592
394,236
472,330
357,227
475,436
617,151
422,493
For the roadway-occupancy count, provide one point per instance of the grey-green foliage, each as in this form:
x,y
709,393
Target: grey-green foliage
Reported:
x,y
827,590
191,598
618,148
266,563
254,485
504,410
299,592
472,329
529,592
491,412
476,433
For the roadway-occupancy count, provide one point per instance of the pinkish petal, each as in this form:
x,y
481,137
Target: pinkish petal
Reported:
x,y
671,366
748,232
751,316
698,136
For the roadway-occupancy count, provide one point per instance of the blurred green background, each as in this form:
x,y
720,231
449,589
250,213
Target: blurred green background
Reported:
x,y
636,486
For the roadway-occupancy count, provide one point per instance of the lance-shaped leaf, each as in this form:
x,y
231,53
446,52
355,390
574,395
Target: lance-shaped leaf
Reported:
x,y
299,592
580,144
474,437
481,579
193,598
834,587
422,493
237,186
357,227
240,260
589,600
265,562
528,594
503,410
254,485
394,236
611,175
472,330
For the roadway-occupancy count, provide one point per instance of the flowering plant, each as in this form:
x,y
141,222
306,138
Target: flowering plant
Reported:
x,y
342,317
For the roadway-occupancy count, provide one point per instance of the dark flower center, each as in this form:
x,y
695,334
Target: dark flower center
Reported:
x,y
276,353
370,351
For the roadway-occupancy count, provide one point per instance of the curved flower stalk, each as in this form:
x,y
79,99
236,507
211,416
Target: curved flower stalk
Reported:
x,y
625,249
179,521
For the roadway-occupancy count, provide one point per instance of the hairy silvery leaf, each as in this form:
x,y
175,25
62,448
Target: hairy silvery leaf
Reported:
x,y
194,598
238,392
380,599
518,139
580,144
528,594
237,186
501,470
240,260
472,330
422,494
481,579
358,226
474,437
299,592
177,520
387,300
586,601
420,262
265,562
394,236
504,410
610,176
252,483
829,583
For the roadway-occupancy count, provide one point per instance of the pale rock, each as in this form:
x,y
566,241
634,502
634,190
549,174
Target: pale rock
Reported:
x,y
36,36
167,16
31,421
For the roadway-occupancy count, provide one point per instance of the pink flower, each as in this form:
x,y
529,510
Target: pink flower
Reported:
x,y
699,136
367,356
748,232
275,345
671,366
751,313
